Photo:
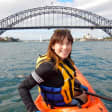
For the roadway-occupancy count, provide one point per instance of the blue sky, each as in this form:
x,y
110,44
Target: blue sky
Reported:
x,y
99,7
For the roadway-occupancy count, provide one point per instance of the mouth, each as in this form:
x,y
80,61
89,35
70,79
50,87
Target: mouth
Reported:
x,y
64,52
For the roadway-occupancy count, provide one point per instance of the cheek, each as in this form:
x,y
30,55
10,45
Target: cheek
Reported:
x,y
70,47
56,47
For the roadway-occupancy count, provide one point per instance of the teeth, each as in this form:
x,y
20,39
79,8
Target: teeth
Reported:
x,y
64,52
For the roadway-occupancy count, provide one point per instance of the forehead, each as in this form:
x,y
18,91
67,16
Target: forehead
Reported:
x,y
65,39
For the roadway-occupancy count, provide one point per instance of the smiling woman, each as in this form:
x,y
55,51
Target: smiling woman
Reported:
x,y
55,66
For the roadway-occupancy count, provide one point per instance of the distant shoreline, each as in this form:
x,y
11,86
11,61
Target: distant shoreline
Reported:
x,y
79,39
92,40
9,39
74,40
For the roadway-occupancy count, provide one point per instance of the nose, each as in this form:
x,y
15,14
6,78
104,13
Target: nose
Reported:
x,y
64,46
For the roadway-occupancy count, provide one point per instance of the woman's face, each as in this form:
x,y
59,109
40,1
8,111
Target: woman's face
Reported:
x,y
62,49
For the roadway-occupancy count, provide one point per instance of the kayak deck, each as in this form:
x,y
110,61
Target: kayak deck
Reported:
x,y
93,104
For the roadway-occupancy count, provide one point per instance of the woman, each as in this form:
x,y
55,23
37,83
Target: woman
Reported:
x,y
54,74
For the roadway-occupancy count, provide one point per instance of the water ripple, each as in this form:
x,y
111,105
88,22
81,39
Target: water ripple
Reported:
x,y
94,60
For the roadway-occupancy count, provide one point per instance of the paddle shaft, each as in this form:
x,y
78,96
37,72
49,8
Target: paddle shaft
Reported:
x,y
96,95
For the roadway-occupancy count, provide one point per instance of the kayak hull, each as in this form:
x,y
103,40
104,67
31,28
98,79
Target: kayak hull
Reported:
x,y
93,104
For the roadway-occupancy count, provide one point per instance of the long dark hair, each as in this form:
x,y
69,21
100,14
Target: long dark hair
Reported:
x,y
58,36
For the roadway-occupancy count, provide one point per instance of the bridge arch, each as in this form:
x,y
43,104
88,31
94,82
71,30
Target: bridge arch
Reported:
x,y
90,17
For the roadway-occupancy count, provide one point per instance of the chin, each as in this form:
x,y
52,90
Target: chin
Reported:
x,y
64,57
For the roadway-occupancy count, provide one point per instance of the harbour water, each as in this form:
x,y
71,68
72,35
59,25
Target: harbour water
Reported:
x,y
17,60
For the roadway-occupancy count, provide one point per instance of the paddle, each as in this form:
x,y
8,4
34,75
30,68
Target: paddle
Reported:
x,y
96,95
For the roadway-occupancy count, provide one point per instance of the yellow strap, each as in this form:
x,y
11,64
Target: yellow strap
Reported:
x,y
66,87
41,59
66,93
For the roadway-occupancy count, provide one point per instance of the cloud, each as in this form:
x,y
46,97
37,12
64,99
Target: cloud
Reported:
x,y
65,0
91,4
8,7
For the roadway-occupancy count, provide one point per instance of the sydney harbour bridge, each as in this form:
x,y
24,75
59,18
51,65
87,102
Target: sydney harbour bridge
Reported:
x,y
55,17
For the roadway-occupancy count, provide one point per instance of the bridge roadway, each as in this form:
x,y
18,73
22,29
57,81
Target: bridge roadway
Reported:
x,y
51,27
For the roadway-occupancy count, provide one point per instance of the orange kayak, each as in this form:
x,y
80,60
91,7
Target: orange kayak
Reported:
x,y
94,104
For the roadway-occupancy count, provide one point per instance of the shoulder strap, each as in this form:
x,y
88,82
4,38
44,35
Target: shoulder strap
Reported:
x,y
41,59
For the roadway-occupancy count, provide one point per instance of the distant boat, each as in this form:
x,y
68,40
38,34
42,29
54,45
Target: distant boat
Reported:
x,y
40,39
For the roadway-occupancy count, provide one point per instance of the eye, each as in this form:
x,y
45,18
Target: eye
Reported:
x,y
68,43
